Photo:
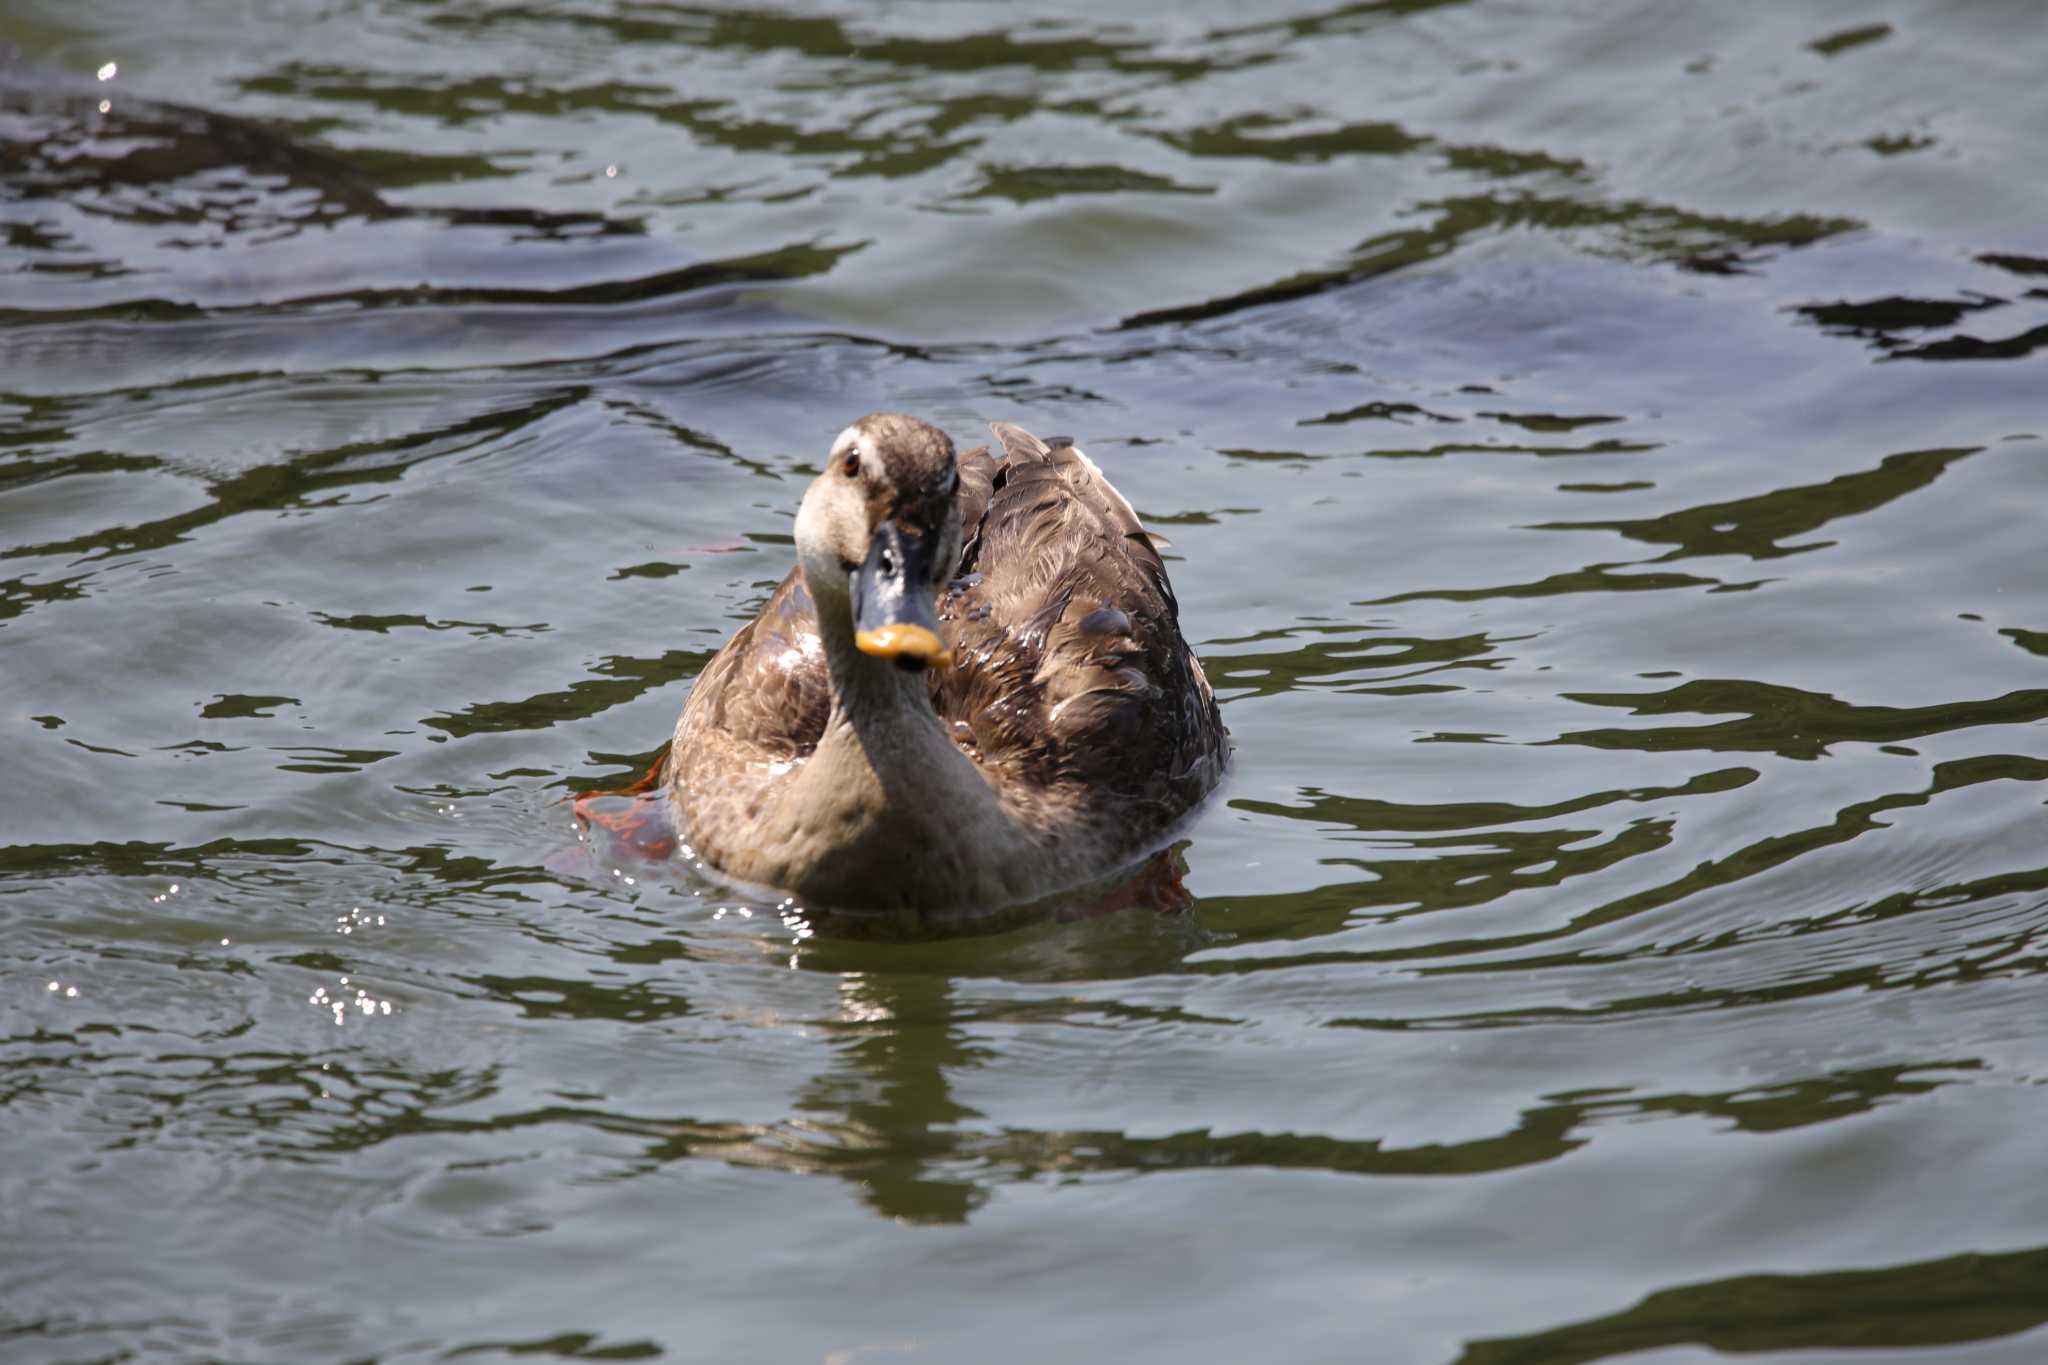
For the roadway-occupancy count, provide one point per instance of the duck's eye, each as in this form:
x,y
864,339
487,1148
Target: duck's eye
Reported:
x,y
850,465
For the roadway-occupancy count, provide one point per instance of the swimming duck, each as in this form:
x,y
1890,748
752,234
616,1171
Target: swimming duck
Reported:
x,y
970,693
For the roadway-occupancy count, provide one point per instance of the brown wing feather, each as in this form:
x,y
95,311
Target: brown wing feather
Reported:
x,y
1073,683
768,689
977,477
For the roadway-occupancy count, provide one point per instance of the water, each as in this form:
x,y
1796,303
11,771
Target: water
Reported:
x,y
1602,450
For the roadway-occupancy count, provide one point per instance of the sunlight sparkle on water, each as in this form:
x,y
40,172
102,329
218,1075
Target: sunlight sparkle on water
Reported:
x,y
356,918
362,1002
107,72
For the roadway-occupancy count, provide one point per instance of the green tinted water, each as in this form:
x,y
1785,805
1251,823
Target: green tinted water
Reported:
x,y
1602,452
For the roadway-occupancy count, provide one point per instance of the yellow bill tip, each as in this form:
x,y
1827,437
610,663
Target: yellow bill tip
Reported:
x,y
904,641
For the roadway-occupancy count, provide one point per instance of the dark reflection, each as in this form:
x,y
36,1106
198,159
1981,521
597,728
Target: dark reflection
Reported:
x,y
1338,19
1456,873
314,758
20,473
1371,816
1848,38
623,680
1549,421
634,1002
898,1127
1879,319
1759,526
1949,1302
2032,641
19,595
1310,914
1264,136
384,624
2016,264
909,1147
1613,577
1377,412
1541,1133
141,859
1755,528
170,164
1444,448
1029,184
1891,323
1774,851
1706,243
884,1117
823,37
565,1346
1971,348
228,706
1393,663
297,482
1788,721
767,267
452,102
1449,857
1898,146
129,190
139,144
938,129
1792,1104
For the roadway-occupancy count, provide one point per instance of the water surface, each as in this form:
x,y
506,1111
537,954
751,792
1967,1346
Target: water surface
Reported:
x,y
1602,453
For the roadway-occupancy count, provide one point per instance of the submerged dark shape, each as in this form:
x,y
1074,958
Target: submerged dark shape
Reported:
x,y
1051,729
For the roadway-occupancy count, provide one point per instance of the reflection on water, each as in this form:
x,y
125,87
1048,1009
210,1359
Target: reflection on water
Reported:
x,y
1600,453
1932,1303
887,1111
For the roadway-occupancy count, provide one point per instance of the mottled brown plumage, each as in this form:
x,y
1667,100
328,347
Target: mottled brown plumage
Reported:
x,y
1087,726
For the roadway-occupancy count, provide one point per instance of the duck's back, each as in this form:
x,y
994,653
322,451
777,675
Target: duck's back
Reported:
x,y
1072,685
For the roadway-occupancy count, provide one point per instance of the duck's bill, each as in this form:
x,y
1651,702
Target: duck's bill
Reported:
x,y
909,645
893,616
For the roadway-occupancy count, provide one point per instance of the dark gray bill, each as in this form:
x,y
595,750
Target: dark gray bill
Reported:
x,y
893,616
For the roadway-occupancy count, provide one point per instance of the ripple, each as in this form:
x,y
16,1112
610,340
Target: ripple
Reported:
x,y
1598,458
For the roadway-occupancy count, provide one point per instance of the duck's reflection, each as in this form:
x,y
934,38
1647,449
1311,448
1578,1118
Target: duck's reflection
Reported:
x,y
890,1102
904,1037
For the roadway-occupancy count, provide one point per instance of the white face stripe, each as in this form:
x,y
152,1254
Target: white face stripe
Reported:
x,y
851,440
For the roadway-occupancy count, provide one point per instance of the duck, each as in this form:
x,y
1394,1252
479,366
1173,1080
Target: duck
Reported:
x,y
971,691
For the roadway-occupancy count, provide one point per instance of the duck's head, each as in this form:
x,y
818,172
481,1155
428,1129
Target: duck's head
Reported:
x,y
879,535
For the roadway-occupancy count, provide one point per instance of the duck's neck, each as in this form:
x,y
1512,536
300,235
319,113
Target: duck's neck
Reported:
x,y
909,818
